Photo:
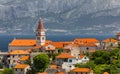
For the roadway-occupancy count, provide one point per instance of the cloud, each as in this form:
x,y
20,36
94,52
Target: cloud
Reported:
x,y
57,30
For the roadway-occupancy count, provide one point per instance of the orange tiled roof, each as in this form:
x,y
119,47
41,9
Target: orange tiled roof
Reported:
x,y
29,50
81,56
37,47
53,66
81,70
105,73
60,44
110,40
48,41
43,73
21,66
23,42
86,40
60,73
64,55
18,52
24,58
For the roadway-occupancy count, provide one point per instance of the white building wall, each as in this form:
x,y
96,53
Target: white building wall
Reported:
x,y
21,71
19,47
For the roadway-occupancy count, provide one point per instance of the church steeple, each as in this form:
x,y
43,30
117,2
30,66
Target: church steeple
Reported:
x,y
40,34
40,25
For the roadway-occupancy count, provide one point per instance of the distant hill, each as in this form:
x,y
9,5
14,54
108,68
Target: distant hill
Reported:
x,y
60,16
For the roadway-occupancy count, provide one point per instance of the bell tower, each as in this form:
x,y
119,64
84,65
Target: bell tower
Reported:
x,y
40,34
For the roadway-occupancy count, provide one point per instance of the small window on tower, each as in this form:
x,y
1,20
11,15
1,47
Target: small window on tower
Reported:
x,y
43,38
38,33
38,38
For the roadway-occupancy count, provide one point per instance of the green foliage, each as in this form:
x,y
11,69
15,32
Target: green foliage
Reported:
x,y
60,50
91,64
8,71
1,66
28,62
80,65
41,62
99,69
106,61
54,55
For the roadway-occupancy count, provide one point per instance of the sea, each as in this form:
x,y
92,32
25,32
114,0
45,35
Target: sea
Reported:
x,y
6,39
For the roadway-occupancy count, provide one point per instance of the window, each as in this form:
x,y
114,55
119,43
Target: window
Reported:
x,y
43,38
15,69
87,48
38,38
13,56
70,60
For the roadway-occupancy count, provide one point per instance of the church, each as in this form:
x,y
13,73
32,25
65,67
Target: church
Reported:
x,y
24,44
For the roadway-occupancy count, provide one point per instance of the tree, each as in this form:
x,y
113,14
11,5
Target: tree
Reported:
x,y
41,62
1,66
8,71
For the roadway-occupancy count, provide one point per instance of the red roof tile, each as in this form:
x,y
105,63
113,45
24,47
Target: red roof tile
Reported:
x,y
110,40
81,70
64,55
86,40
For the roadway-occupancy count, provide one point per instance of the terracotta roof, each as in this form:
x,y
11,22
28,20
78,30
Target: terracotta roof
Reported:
x,y
18,52
64,55
21,66
29,50
60,44
81,70
53,66
60,73
81,56
105,73
48,41
42,73
109,40
23,42
86,40
24,58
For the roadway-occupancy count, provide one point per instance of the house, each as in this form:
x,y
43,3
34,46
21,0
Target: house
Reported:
x,y
83,59
23,59
53,69
81,71
15,55
70,64
21,68
87,40
49,49
64,57
109,43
